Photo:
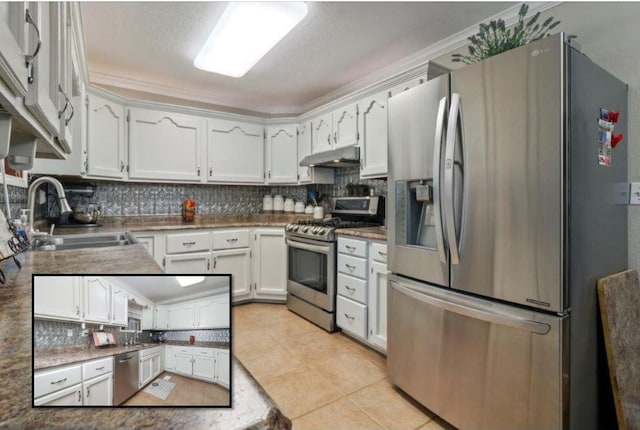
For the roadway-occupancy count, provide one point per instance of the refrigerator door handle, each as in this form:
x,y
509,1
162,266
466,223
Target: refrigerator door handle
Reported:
x,y
455,121
478,311
437,154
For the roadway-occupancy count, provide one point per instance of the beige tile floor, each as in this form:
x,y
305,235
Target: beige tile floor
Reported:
x,y
321,380
187,392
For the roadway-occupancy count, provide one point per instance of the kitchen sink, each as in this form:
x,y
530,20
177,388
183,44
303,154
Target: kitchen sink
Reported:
x,y
80,241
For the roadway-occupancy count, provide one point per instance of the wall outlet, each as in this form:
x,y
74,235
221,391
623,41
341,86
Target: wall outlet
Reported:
x,y
69,332
634,194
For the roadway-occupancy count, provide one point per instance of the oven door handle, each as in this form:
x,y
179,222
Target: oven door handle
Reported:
x,y
308,247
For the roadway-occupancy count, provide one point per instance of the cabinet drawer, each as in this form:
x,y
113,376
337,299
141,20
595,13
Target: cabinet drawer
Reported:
x,y
150,351
379,252
353,266
351,316
204,352
187,242
352,288
94,368
183,350
355,247
228,239
48,381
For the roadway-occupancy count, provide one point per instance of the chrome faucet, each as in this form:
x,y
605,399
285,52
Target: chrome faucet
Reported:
x,y
62,199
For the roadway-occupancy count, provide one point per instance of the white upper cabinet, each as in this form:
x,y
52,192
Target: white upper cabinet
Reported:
x,y
97,303
373,125
282,155
322,134
165,146
345,126
310,175
119,306
181,316
44,94
57,296
235,152
213,312
13,41
68,78
105,138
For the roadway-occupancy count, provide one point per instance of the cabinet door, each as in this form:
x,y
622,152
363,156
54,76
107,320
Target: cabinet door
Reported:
x,y
147,317
71,396
13,40
238,263
57,296
119,306
213,313
97,296
98,391
65,79
105,138
373,126
183,363
155,365
223,367
169,357
235,152
145,374
345,126
204,367
197,262
322,133
282,155
304,149
43,94
165,145
162,318
378,304
270,264
181,316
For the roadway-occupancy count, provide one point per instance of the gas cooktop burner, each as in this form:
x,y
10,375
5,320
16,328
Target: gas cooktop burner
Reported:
x,y
336,223
323,229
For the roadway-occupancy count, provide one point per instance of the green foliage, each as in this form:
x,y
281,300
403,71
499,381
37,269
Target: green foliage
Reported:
x,y
494,38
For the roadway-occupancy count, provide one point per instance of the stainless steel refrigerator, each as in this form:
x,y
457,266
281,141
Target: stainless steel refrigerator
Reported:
x,y
500,220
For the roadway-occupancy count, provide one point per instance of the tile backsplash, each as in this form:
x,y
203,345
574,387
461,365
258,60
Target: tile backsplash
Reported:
x,y
140,199
17,200
54,334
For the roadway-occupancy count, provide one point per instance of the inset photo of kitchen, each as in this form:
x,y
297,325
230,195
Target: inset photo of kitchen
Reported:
x,y
136,340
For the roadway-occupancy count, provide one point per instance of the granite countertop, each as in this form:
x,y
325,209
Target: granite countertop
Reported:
x,y
376,233
16,395
52,357
162,223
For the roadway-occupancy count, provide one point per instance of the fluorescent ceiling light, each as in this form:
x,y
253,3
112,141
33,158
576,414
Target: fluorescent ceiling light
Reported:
x,y
185,281
245,33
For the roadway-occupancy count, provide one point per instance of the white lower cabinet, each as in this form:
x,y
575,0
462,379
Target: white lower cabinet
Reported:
x,y
98,391
150,365
361,303
270,264
169,357
162,317
89,383
209,364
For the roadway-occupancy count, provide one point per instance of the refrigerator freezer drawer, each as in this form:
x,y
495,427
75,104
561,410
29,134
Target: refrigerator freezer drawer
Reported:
x,y
475,363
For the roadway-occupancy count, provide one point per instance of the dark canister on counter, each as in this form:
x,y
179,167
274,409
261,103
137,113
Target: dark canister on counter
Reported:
x,y
189,210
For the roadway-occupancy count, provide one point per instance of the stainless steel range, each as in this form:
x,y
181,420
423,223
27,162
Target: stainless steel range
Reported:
x,y
311,244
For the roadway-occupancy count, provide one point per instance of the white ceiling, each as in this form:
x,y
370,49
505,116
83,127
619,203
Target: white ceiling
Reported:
x,y
150,47
165,289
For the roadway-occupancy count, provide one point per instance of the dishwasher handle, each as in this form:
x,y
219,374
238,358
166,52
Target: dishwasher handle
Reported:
x,y
478,311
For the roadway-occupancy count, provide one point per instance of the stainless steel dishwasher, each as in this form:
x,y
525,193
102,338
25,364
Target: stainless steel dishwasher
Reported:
x,y
125,379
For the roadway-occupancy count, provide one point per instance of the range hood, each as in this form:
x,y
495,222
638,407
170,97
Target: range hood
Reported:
x,y
340,157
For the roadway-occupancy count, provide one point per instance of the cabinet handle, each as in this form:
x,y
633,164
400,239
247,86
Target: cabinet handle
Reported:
x,y
350,288
215,262
349,266
384,254
99,368
335,138
57,382
208,265
232,240
30,58
73,111
210,171
329,139
349,317
269,173
77,310
87,392
121,166
79,395
188,243
198,170
350,248
66,101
